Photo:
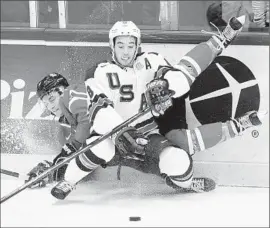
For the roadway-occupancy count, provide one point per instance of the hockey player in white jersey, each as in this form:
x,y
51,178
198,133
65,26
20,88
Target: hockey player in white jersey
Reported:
x,y
133,80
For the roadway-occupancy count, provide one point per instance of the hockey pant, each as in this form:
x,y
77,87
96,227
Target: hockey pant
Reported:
x,y
162,159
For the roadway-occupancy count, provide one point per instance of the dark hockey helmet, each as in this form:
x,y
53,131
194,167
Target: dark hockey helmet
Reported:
x,y
49,83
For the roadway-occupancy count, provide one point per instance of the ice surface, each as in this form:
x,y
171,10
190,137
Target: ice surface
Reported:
x,y
96,204
109,203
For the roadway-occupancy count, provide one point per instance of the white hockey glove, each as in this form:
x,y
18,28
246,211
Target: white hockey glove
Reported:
x,y
131,143
158,96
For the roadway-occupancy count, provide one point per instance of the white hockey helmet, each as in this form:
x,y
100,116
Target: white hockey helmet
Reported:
x,y
124,28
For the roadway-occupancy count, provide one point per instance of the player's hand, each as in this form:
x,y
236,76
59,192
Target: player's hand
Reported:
x,y
158,96
131,143
36,171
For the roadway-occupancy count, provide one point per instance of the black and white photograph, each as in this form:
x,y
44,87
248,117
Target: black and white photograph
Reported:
x,y
134,113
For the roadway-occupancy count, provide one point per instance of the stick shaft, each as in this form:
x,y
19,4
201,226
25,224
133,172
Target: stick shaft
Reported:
x,y
14,174
74,155
9,173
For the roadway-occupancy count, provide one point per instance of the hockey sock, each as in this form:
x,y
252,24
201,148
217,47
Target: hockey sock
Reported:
x,y
199,58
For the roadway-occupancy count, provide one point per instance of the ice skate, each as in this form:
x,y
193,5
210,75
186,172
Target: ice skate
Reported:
x,y
233,28
198,185
202,184
230,32
250,119
62,189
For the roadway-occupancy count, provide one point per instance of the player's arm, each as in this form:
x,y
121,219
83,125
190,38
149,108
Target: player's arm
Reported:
x,y
179,77
77,108
98,74
82,133
168,82
175,81
103,118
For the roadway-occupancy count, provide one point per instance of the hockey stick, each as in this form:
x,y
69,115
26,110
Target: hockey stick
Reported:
x,y
9,173
13,174
83,150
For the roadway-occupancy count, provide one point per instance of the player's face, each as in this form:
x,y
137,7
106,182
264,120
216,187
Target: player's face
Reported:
x,y
51,102
125,48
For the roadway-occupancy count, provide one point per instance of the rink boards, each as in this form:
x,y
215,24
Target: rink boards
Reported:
x,y
25,130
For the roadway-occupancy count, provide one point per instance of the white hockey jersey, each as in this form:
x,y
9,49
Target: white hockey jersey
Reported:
x,y
125,87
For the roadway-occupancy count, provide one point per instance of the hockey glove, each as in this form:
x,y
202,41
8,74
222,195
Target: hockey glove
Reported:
x,y
57,175
131,143
37,170
158,96
67,149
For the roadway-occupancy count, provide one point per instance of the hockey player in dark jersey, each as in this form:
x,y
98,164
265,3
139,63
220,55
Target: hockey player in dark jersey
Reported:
x,y
87,120
68,105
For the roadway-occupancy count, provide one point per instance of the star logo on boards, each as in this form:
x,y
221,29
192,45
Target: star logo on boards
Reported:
x,y
226,89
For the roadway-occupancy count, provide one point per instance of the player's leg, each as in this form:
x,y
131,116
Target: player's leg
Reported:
x,y
209,135
190,66
202,55
174,165
84,164
168,82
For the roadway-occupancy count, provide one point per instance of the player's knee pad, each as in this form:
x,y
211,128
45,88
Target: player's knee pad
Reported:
x,y
98,155
177,165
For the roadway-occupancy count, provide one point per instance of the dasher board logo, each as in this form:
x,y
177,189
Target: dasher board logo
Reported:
x,y
226,89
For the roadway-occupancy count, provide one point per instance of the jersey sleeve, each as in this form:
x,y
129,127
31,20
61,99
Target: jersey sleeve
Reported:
x,y
78,107
156,61
178,81
83,129
97,75
102,116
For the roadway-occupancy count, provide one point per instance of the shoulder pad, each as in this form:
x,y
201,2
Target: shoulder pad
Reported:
x,y
159,56
90,72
